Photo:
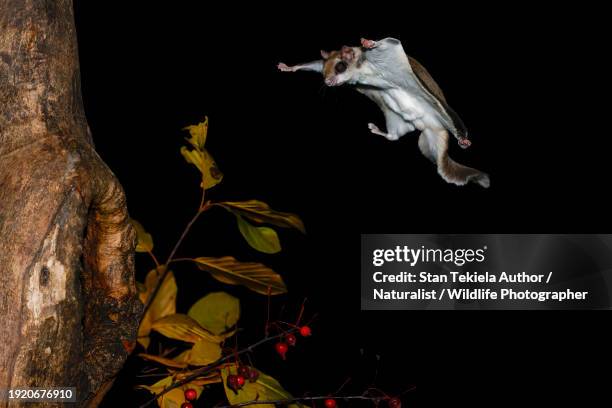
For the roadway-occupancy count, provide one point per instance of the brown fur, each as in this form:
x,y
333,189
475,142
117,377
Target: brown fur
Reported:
x,y
330,63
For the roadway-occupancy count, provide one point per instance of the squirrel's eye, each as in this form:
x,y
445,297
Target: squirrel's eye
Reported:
x,y
340,67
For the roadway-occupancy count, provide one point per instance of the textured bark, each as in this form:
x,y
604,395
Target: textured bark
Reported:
x,y
67,294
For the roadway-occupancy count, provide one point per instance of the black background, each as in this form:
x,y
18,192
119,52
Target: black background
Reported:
x,y
528,85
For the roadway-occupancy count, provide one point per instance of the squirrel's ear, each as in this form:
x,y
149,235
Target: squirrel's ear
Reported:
x,y
347,54
324,54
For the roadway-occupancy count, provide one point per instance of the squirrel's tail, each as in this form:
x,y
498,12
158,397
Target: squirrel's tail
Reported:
x,y
434,145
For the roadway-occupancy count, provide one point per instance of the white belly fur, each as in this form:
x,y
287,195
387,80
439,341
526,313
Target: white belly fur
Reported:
x,y
412,108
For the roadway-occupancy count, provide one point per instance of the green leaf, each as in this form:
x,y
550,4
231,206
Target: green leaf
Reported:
x,y
255,276
263,239
198,134
211,175
265,388
260,212
217,312
145,240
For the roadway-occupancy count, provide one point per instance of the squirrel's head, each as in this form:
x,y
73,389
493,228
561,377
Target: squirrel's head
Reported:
x,y
339,67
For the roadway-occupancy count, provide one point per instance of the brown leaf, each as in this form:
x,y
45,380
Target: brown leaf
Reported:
x,y
182,327
261,212
162,360
255,276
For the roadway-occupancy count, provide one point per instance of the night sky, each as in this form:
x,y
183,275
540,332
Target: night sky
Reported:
x,y
523,81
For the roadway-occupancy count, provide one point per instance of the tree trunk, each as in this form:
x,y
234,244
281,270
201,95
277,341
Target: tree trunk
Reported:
x,y
67,296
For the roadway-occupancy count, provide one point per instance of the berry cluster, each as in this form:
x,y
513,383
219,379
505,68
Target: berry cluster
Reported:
x,y
290,340
235,382
190,395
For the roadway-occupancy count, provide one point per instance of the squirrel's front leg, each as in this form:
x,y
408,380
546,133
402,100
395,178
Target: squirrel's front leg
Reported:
x,y
316,66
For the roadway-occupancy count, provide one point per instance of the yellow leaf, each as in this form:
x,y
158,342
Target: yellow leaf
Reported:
x,y
204,352
263,239
163,305
217,312
145,240
198,134
265,388
255,276
162,360
158,386
172,399
261,212
182,327
211,175
210,378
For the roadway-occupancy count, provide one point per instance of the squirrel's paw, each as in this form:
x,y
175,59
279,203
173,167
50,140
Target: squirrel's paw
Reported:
x,y
284,67
464,143
368,44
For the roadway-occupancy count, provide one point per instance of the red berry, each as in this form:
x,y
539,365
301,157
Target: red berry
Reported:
x,y
244,371
281,349
290,339
186,405
191,394
305,331
330,403
240,381
232,382
395,403
253,375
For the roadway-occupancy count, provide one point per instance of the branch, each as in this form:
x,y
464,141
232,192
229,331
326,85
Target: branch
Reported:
x,y
207,369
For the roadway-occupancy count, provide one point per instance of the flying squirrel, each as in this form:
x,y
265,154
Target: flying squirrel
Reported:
x,y
408,96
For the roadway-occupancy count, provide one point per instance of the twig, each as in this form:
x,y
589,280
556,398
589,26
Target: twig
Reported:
x,y
152,255
203,207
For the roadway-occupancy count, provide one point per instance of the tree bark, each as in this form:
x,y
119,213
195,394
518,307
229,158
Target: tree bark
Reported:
x,y
67,295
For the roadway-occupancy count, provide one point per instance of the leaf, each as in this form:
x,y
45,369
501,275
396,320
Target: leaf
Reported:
x,y
163,305
204,352
198,134
182,327
255,276
217,312
173,398
162,360
211,175
261,212
263,239
158,386
211,378
145,240
265,388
